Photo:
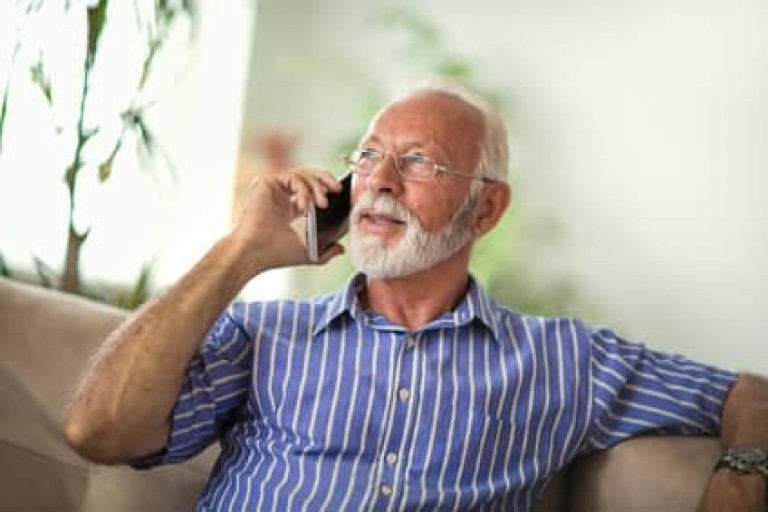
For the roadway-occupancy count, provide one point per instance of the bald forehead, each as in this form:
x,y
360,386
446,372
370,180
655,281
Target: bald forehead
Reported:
x,y
436,103
431,119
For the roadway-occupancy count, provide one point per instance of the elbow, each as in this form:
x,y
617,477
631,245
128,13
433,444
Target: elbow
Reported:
x,y
108,442
89,441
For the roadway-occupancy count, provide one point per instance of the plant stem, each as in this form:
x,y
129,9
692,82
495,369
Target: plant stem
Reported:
x,y
70,279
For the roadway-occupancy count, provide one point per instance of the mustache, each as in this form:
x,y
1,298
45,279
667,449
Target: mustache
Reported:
x,y
381,204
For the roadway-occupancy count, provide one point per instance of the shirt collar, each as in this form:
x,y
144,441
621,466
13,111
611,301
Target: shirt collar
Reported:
x,y
476,305
345,300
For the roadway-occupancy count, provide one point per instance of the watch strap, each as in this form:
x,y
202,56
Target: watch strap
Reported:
x,y
745,461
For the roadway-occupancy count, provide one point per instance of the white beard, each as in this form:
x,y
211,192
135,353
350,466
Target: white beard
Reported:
x,y
418,249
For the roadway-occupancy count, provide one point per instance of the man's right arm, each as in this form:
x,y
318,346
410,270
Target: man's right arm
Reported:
x,y
122,408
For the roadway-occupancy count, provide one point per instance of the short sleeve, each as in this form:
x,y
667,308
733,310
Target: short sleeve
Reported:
x,y
636,391
215,388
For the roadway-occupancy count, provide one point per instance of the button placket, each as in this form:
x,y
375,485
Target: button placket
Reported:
x,y
402,396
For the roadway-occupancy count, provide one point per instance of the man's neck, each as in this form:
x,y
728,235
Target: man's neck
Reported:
x,y
415,300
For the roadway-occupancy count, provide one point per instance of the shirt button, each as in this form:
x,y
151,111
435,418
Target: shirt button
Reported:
x,y
404,394
410,343
392,458
386,490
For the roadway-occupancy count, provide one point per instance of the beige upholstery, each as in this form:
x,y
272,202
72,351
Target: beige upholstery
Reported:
x,y
46,338
646,474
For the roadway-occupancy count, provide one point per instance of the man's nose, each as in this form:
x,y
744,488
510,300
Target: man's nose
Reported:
x,y
386,177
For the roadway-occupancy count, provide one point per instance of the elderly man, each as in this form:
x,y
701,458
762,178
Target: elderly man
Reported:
x,y
410,388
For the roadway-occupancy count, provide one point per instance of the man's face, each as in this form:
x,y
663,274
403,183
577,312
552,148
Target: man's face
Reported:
x,y
400,226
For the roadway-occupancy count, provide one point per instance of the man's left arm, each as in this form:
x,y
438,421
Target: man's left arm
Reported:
x,y
744,424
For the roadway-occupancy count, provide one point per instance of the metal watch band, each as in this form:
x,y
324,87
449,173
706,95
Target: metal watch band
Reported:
x,y
745,460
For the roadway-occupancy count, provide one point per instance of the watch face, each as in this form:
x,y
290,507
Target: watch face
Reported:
x,y
745,461
749,455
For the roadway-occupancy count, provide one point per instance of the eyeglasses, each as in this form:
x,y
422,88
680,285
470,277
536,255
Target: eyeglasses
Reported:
x,y
411,166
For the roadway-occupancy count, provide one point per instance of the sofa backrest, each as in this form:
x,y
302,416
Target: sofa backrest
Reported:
x,y
46,337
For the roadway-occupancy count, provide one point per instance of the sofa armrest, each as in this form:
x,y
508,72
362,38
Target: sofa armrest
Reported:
x,y
662,474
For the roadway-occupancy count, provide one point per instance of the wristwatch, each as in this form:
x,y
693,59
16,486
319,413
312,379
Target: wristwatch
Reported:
x,y
746,461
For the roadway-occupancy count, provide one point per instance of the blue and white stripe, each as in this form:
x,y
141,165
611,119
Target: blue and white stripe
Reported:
x,y
320,405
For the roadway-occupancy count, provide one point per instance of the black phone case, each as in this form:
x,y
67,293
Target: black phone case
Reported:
x,y
332,219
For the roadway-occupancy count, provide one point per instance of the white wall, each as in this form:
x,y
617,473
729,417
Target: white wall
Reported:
x,y
202,123
641,126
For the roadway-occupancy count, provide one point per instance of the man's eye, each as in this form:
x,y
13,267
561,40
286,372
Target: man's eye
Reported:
x,y
415,158
370,155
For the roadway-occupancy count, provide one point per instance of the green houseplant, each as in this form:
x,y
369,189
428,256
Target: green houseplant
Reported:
x,y
143,28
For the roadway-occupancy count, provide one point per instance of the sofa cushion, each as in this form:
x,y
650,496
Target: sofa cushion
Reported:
x,y
32,482
553,497
172,488
662,474
25,422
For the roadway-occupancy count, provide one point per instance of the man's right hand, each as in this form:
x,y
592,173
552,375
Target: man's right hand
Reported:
x,y
271,225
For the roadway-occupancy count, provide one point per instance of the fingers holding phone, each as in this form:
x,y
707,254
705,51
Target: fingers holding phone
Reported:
x,y
271,227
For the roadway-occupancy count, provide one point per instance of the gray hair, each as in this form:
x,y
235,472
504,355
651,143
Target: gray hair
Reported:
x,y
494,149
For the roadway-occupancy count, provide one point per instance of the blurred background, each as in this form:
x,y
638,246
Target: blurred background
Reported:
x,y
638,134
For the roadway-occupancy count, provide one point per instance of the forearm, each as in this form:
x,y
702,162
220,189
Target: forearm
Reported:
x,y
122,409
745,413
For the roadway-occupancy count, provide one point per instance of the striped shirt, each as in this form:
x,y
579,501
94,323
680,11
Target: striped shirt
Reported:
x,y
321,405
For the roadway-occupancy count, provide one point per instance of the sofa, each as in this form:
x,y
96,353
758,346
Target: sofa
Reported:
x,y
46,339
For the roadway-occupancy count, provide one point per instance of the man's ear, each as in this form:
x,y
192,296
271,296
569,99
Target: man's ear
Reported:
x,y
494,200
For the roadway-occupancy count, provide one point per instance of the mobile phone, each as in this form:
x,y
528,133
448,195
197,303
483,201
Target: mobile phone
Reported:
x,y
326,225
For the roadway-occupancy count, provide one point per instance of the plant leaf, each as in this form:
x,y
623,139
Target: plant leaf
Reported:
x,y
5,270
97,17
37,72
44,272
105,170
3,112
140,290
146,137
454,68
